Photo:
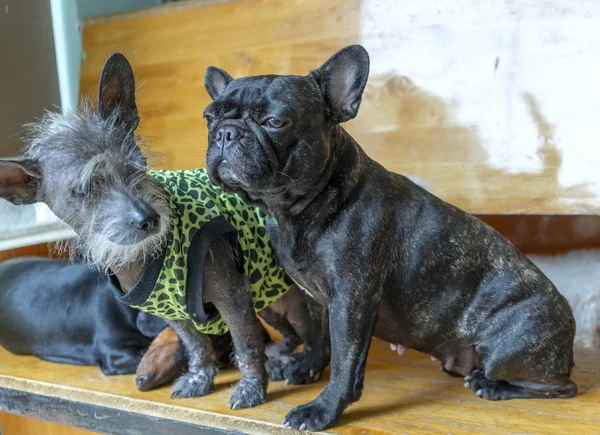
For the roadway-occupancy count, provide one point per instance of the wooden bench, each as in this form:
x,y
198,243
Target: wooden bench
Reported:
x,y
407,394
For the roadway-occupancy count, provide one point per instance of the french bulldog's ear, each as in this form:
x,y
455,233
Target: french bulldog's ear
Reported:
x,y
117,91
215,81
342,80
20,181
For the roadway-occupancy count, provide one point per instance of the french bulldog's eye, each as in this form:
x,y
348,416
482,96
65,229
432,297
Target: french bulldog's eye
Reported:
x,y
209,119
274,123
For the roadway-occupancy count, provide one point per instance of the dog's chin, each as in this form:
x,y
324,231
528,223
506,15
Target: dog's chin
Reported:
x,y
227,177
131,239
115,249
235,181
254,192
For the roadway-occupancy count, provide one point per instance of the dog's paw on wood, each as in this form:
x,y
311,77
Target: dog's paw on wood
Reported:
x,y
121,365
194,384
248,392
501,390
296,369
275,366
488,389
304,367
314,416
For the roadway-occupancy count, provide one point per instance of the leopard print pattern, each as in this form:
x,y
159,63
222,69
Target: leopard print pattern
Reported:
x,y
195,201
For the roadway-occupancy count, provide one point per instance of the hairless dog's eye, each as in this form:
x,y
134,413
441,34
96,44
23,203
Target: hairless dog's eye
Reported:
x,y
94,186
131,171
78,193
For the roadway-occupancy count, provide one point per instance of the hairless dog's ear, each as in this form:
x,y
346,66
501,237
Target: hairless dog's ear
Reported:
x,y
215,81
117,91
342,80
20,181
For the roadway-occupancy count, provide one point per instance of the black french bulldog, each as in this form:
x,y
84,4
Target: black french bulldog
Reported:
x,y
382,254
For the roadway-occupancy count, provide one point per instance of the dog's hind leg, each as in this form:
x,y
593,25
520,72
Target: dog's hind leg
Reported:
x,y
277,353
311,321
308,320
460,361
222,350
534,363
502,390
289,340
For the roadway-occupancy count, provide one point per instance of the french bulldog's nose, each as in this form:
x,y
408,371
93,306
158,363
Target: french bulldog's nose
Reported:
x,y
144,218
226,135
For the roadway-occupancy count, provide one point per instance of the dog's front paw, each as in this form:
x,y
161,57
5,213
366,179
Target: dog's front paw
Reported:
x,y
194,384
126,364
248,392
117,371
302,367
314,416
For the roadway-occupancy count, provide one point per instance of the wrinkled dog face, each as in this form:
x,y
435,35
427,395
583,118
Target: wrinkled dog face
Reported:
x,y
89,170
269,136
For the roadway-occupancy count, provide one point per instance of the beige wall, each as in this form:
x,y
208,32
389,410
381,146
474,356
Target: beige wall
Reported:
x,y
492,104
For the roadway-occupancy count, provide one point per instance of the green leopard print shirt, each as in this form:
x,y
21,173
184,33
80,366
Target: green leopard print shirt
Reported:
x,y
195,202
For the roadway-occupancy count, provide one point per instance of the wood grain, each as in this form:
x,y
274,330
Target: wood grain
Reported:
x,y
547,234
406,394
43,250
19,425
491,104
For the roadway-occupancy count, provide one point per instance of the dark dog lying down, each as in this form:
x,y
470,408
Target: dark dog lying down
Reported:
x,y
67,313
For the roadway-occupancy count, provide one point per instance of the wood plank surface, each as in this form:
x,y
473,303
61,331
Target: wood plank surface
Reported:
x,y
407,394
492,104
18,425
42,250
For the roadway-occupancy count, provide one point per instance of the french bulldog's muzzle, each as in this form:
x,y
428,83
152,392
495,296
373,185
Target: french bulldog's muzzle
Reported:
x,y
239,150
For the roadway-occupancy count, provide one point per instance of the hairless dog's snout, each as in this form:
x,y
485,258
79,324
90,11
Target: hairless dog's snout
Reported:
x,y
143,217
